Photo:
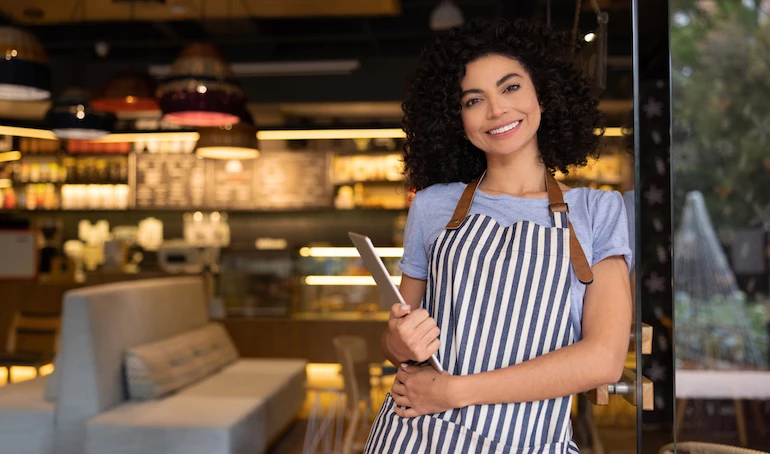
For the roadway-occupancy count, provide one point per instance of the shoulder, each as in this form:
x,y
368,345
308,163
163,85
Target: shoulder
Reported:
x,y
439,194
432,208
596,202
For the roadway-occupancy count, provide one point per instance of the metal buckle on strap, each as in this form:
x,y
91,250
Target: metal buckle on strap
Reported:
x,y
558,207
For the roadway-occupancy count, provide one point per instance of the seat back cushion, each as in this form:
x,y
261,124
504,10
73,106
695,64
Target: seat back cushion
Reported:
x,y
159,368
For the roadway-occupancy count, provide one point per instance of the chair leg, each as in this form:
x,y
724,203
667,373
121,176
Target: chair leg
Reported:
x,y
681,407
350,435
740,420
758,420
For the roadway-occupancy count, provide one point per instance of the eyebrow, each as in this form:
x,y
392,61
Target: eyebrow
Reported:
x,y
498,83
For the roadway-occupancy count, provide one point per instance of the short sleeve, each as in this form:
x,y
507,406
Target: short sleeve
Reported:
x,y
628,198
609,224
414,263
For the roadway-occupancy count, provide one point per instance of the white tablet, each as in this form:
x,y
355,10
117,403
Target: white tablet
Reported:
x,y
382,277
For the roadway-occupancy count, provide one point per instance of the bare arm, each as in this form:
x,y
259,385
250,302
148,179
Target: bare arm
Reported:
x,y
411,334
595,360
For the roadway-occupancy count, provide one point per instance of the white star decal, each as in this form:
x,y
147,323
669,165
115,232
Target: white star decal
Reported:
x,y
656,137
656,372
655,283
654,195
653,108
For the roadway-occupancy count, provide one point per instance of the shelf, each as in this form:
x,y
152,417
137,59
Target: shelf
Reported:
x,y
355,212
351,183
22,183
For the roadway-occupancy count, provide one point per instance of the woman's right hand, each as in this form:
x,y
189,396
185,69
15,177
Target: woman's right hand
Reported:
x,y
412,334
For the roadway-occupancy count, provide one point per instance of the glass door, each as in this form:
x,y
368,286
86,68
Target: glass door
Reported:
x,y
720,156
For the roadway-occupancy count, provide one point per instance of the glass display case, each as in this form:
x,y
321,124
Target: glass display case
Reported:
x,y
334,281
256,283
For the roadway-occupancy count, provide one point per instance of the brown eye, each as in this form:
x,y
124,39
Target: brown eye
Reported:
x,y
512,87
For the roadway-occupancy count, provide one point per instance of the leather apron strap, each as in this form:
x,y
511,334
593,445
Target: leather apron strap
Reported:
x,y
577,256
555,205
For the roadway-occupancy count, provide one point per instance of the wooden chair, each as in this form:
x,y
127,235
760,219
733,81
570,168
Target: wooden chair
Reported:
x,y
693,447
352,355
32,341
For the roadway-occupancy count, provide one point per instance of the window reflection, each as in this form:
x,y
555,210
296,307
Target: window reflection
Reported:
x,y
721,162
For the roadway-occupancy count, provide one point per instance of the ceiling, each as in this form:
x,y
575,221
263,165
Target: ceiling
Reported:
x,y
274,29
63,11
383,36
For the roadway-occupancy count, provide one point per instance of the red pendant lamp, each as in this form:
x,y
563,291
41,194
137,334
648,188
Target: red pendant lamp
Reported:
x,y
127,92
201,90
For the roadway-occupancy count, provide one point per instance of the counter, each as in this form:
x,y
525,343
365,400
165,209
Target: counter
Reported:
x,y
306,336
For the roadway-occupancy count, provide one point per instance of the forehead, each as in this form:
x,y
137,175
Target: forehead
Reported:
x,y
489,69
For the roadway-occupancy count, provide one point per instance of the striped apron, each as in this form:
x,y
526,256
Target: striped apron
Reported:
x,y
500,295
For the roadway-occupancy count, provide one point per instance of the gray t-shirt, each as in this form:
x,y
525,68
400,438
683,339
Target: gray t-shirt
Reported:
x,y
598,218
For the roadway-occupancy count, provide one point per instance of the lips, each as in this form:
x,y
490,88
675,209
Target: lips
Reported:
x,y
504,128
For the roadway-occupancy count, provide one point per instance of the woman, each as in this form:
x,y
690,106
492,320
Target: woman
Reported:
x,y
498,255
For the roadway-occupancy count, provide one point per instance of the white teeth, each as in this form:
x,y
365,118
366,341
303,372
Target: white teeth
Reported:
x,y
505,128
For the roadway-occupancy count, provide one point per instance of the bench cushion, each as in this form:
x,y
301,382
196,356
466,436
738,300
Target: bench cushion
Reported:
x,y
238,409
26,419
279,383
180,424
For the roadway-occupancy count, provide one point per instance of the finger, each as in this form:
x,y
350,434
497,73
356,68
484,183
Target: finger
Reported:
x,y
406,413
398,388
433,347
432,334
401,401
403,376
398,311
426,325
417,329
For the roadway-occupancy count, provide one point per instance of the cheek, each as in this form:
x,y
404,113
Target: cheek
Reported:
x,y
470,123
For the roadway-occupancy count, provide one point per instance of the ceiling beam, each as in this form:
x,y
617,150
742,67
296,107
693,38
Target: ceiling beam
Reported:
x,y
60,11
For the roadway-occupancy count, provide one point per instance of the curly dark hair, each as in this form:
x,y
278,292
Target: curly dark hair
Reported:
x,y
436,150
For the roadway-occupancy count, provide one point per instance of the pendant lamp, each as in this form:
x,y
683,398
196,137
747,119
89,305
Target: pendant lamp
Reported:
x,y
445,16
238,141
127,92
25,74
71,117
200,90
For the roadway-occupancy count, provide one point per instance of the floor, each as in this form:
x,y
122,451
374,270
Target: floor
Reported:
x,y
617,433
706,421
615,441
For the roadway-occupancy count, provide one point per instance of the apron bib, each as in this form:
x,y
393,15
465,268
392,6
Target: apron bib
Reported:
x,y
500,295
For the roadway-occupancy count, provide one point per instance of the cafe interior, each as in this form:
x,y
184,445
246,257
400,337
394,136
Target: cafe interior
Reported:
x,y
177,183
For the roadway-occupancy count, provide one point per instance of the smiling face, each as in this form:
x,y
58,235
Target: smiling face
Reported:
x,y
500,110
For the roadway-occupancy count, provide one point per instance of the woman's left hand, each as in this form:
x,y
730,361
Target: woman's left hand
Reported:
x,y
421,388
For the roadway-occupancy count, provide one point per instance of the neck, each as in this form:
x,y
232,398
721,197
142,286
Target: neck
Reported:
x,y
519,174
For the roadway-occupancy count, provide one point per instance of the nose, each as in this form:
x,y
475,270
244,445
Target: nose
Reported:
x,y
496,108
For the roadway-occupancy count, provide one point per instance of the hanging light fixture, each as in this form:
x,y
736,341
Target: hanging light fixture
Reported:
x,y
238,141
71,117
445,16
200,90
25,74
127,92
